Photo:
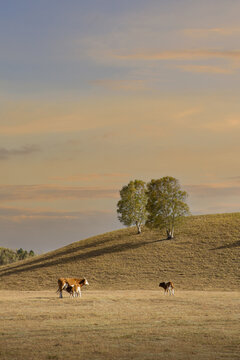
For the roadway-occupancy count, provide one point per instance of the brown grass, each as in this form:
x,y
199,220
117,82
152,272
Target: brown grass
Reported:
x,y
114,324
204,255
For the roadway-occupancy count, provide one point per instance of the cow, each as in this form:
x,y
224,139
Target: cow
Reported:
x,y
71,285
71,289
168,287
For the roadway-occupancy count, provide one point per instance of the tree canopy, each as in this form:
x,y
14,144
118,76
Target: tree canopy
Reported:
x,y
166,204
132,205
8,256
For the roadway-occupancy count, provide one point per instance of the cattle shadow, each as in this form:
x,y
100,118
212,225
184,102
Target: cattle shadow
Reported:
x,y
83,256
228,246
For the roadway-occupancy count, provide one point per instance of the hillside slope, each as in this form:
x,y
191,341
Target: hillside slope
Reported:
x,y
204,255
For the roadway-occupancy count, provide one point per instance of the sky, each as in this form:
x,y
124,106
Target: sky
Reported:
x,y
96,93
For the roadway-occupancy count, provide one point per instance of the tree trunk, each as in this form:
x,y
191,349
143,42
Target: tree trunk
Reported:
x,y
138,228
169,234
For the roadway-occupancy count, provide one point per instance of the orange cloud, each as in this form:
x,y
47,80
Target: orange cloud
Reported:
x,y
63,116
21,214
126,85
211,31
205,69
188,112
89,177
53,192
224,189
181,55
232,123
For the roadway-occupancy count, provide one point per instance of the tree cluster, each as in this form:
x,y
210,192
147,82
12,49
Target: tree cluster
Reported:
x,y
8,256
159,204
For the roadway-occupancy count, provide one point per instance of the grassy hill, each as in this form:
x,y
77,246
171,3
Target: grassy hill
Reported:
x,y
203,255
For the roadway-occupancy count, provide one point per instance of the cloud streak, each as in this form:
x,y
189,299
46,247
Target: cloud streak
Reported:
x,y
205,69
91,177
229,124
124,85
53,192
217,190
180,55
23,151
22,214
211,31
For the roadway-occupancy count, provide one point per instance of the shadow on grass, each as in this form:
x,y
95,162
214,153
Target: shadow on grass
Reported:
x,y
228,246
63,252
83,256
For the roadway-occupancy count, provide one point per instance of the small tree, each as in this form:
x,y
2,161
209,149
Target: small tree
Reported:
x,y
22,254
132,206
166,204
31,253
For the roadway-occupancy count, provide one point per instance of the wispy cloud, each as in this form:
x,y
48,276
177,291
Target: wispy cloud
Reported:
x,y
22,214
124,85
188,112
228,124
234,178
91,177
53,192
24,150
205,69
201,32
180,55
216,190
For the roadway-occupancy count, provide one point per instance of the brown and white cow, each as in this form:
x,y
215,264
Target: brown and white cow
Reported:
x,y
168,287
71,285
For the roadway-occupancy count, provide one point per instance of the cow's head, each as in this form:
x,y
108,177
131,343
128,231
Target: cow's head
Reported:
x,y
162,284
84,282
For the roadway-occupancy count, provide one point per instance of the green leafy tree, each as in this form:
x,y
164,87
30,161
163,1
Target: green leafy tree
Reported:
x,y
8,256
166,204
132,206
22,254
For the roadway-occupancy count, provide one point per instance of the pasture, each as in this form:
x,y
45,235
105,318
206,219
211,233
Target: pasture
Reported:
x,y
119,324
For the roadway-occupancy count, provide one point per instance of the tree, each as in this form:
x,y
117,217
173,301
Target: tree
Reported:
x,y
31,253
22,254
132,206
166,204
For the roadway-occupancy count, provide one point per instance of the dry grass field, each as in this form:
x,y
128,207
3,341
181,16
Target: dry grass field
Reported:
x,y
204,255
119,324
123,314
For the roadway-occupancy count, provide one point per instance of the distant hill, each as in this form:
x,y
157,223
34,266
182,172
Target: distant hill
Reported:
x,y
203,255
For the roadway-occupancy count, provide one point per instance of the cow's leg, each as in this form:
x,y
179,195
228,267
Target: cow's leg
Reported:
x,y
60,294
